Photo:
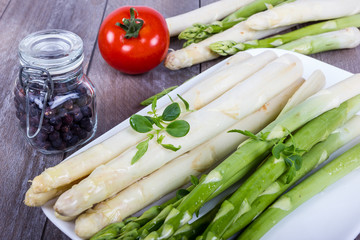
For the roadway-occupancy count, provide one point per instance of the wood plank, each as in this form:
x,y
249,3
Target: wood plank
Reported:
x,y
19,162
3,5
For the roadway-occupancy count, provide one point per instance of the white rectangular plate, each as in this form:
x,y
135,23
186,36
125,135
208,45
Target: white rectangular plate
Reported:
x,y
333,214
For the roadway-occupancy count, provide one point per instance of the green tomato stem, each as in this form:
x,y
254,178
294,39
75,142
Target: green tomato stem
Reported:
x,y
131,26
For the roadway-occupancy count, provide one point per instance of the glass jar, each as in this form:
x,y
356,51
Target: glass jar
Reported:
x,y
54,99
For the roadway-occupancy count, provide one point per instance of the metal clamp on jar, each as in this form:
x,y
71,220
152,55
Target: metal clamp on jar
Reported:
x,y
54,99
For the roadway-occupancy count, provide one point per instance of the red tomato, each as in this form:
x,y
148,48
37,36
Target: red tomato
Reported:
x,y
139,54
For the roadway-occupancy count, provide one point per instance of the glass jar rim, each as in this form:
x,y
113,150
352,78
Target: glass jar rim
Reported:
x,y
58,51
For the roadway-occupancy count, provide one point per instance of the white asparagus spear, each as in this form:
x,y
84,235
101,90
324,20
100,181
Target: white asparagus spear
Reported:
x,y
33,199
206,14
240,101
312,85
38,199
220,83
63,218
84,163
301,11
176,173
200,52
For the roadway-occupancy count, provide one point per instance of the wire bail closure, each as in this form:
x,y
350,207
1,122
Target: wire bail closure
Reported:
x,y
35,78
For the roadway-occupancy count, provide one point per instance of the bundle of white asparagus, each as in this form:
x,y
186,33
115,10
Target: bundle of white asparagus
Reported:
x,y
265,23
55,179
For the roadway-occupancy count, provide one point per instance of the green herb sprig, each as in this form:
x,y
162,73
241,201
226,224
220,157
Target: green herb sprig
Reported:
x,y
159,95
289,152
158,123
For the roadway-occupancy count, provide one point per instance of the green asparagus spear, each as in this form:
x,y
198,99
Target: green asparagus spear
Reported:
x,y
190,231
313,132
226,48
317,155
109,232
345,38
314,184
249,151
199,32
155,223
114,230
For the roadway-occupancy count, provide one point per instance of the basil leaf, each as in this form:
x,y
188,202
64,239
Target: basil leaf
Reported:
x,y
171,147
142,148
178,128
187,106
171,112
194,180
288,151
181,193
140,123
288,162
297,161
277,149
290,174
150,119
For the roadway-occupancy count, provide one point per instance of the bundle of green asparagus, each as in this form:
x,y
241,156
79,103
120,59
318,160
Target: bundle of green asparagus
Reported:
x,y
319,130
316,183
263,18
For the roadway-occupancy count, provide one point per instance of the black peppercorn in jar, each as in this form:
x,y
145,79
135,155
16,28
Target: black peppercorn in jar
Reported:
x,y
54,99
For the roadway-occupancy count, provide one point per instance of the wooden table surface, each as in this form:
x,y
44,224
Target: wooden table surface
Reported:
x,y
118,95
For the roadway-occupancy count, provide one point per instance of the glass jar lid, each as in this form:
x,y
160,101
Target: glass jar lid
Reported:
x,y
57,51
